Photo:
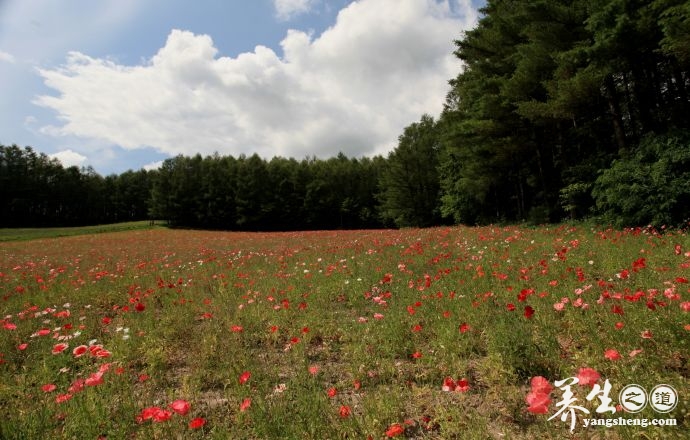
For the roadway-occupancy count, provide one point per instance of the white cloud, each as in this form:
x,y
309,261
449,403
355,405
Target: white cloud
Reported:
x,y
287,9
69,158
153,165
353,88
7,57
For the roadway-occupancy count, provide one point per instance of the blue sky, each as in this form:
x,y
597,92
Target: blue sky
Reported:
x,y
124,84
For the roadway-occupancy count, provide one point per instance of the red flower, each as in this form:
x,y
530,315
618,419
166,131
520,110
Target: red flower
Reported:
x,y
416,355
345,411
394,430
541,385
538,402
59,348
332,392
162,415
180,406
94,379
529,311
80,350
685,306
48,388
612,354
197,423
462,385
63,398
464,327
244,377
246,403
140,307
588,376
510,307
236,328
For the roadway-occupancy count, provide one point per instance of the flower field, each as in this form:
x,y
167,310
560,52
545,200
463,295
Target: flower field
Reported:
x,y
434,333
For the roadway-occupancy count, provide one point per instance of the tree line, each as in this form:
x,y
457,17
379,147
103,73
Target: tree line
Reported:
x,y
563,109
570,108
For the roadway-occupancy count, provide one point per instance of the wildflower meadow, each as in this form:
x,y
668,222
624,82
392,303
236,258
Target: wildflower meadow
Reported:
x,y
451,332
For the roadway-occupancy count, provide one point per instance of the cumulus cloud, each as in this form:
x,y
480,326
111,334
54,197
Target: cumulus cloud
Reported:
x,y
7,57
69,158
353,88
287,9
153,165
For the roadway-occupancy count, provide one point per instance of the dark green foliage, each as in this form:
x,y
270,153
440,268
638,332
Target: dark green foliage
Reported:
x,y
37,191
651,186
250,193
409,186
553,91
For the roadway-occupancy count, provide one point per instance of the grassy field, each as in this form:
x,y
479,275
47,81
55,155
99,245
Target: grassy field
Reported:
x,y
22,234
438,333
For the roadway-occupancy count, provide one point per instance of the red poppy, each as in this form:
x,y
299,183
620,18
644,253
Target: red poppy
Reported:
x,y
529,311
540,384
538,402
464,327
246,403
162,415
394,430
48,388
140,307
63,398
80,350
244,377
612,354
332,392
588,376
59,348
180,406
345,411
197,423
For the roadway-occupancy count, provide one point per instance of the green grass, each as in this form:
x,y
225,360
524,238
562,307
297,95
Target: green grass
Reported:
x,y
307,312
24,234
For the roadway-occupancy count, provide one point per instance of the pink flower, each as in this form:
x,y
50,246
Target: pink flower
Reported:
x,y
635,352
559,306
685,306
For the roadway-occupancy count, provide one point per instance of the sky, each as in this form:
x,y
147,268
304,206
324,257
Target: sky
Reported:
x,y
125,84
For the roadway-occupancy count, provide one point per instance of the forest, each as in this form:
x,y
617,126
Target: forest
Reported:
x,y
562,110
